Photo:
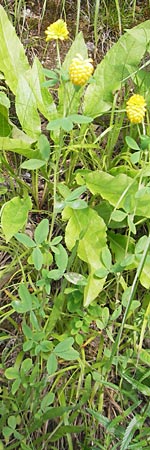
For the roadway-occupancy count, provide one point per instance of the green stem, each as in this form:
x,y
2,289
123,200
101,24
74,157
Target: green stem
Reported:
x,y
56,179
58,54
78,16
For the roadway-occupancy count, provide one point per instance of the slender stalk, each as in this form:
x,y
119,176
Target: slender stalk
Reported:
x,y
78,16
96,22
119,15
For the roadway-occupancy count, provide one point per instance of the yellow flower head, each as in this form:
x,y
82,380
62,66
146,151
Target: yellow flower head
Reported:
x,y
80,70
136,108
57,30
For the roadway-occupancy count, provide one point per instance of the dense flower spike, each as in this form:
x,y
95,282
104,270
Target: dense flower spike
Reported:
x,y
80,70
57,30
136,108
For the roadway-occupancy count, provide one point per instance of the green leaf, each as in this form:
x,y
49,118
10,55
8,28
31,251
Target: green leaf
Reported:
x,y
37,258
61,258
11,373
75,194
64,350
76,204
55,274
86,227
15,386
26,365
34,321
32,164
25,296
131,143
78,118
13,61
65,123
46,346
25,240
47,400
123,58
145,274
115,189
19,146
101,273
14,215
41,231
26,109
50,74
44,100
118,216
75,278
44,147
143,388
5,127
135,157
106,257
51,364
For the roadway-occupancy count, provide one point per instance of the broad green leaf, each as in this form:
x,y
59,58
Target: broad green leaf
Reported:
x,y
44,100
41,231
145,356
11,373
73,195
5,127
140,245
26,329
142,201
76,204
106,257
13,61
18,146
61,258
75,278
89,229
32,164
47,400
135,157
64,350
55,274
37,258
26,108
131,143
79,118
141,387
25,296
25,240
118,216
114,189
14,215
51,364
26,365
142,79
64,122
118,245
15,386
122,60
44,147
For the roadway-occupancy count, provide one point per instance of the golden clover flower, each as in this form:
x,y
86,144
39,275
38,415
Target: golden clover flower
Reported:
x,y
80,70
57,30
136,108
